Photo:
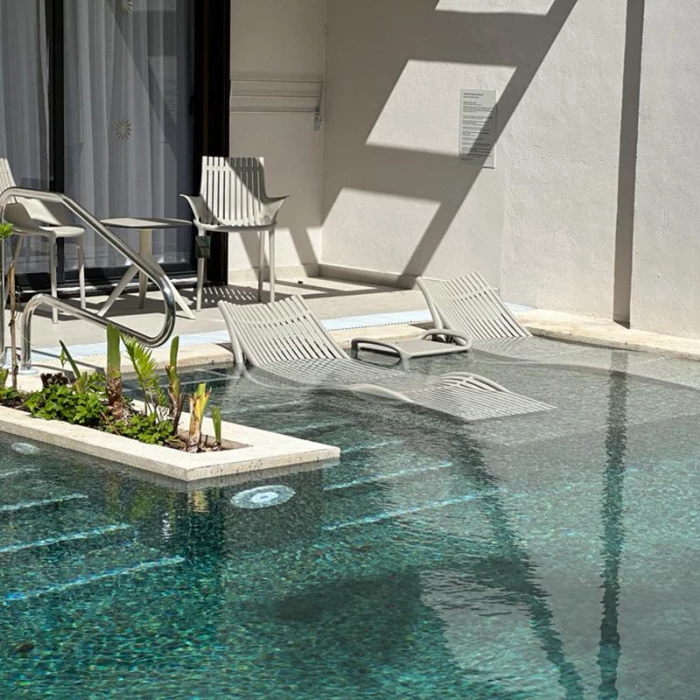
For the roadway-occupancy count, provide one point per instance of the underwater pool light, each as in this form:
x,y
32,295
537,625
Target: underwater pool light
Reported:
x,y
262,497
25,448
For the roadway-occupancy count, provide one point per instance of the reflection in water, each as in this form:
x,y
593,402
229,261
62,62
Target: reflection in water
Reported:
x,y
519,578
613,535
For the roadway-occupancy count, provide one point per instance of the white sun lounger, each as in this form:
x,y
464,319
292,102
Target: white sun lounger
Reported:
x,y
285,341
471,306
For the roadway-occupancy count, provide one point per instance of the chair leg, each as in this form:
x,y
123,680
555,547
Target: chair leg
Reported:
x,y
15,256
81,271
201,267
261,263
271,277
53,254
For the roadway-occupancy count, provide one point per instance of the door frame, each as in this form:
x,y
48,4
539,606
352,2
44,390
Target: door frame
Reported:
x,y
212,81
209,104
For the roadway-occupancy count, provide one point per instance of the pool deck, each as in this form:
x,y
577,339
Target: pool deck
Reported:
x,y
347,309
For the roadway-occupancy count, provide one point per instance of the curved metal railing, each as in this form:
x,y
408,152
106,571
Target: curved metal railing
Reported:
x,y
146,266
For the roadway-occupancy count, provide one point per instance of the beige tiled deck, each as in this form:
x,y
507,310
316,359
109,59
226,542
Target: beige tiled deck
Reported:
x,y
330,299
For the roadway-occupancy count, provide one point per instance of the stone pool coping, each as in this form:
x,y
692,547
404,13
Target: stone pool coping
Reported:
x,y
261,449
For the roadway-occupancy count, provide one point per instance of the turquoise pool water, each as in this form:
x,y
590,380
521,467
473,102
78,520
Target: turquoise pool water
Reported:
x,y
544,556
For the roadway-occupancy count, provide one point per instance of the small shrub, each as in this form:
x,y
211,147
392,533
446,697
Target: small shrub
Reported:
x,y
63,402
144,428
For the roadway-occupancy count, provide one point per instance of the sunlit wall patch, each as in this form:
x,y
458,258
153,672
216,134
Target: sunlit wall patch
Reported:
x,y
25,448
262,497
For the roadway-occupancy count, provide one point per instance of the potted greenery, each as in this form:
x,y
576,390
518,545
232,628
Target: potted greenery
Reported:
x,y
96,400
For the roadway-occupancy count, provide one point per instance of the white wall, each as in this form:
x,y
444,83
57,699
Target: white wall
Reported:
x,y
666,264
281,40
397,198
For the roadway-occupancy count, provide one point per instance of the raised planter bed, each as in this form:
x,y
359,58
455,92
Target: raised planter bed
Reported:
x,y
245,449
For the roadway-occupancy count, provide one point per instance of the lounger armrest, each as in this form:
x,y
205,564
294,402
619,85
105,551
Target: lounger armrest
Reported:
x,y
457,336
272,205
357,342
198,206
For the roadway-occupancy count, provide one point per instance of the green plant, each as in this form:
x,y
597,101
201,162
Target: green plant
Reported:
x,y
144,428
198,405
115,396
176,398
6,230
8,395
146,369
62,402
83,381
216,419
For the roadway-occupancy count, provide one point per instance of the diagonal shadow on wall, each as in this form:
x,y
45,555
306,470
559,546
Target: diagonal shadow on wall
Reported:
x,y
497,39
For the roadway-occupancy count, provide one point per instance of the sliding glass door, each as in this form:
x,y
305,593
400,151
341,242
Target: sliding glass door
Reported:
x,y
24,100
128,83
96,100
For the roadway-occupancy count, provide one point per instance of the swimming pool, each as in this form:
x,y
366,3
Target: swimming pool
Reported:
x,y
544,556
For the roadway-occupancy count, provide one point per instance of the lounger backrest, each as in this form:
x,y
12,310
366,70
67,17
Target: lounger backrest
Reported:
x,y
233,190
470,305
284,330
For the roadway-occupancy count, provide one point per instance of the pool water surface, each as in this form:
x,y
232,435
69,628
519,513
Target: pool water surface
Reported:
x,y
552,555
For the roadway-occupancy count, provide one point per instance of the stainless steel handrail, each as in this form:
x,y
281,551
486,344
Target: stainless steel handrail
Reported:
x,y
144,265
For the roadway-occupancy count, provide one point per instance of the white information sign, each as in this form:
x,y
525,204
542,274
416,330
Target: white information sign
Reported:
x,y
478,127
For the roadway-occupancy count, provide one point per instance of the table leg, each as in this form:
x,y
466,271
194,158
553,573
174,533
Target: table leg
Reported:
x,y
146,251
182,303
271,239
261,263
123,282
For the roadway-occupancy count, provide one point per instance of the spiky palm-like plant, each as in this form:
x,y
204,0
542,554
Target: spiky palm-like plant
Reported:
x,y
176,398
146,369
216,418
198,405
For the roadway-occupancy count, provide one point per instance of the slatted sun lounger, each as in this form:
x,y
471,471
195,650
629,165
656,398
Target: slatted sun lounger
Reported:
x,y
285,341
471,306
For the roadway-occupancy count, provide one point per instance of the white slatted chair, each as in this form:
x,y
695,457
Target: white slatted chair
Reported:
x,y
285,341
32,217
470,305
232,199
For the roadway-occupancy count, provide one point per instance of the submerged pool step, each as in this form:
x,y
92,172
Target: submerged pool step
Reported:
x,y
43,571
311,427
81,581
32,487
267,408
389,476
36,524
69,538
11,508
371,446
400,512
14,473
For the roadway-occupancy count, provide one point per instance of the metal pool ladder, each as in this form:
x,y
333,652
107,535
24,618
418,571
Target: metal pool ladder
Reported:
x,y
158,276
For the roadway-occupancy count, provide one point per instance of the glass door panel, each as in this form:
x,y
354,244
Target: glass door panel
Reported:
x,y
24,105
128,69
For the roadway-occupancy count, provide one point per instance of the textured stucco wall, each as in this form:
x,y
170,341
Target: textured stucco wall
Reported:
x,y
281,40
541,226
666,263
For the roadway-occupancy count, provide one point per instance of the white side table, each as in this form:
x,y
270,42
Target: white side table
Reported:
x,y
145,227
